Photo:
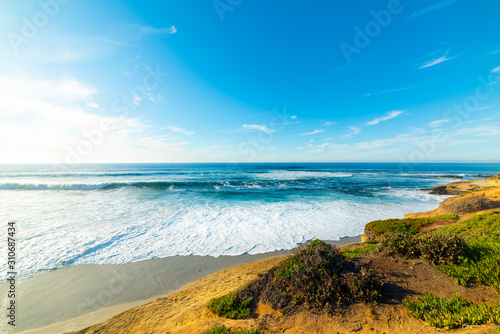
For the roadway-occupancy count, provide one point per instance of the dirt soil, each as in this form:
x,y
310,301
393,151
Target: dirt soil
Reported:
x,y
186,311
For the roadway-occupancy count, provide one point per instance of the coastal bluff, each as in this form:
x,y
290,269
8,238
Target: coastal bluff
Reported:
x,y
465,187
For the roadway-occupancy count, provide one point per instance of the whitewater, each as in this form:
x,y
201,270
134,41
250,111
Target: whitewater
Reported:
x,y
112,214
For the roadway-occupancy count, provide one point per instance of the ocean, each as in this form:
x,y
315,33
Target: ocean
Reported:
x,y
120,213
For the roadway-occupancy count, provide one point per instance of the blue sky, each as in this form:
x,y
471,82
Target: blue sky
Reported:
x,y
249,81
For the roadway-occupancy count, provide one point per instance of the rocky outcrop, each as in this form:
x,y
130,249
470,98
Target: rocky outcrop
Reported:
x,y
459,206
465,187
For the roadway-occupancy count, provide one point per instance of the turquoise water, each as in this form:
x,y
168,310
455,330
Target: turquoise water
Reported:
x,y
120,213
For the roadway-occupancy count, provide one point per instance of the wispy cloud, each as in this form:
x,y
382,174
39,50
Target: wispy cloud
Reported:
x,y
354,130
312,133
438,123
495,71
144,31
57,117
177,130
329,123
390,91
318,148
436,61
434,7
480,108
390,115
255,127
110,41
479,131
92,105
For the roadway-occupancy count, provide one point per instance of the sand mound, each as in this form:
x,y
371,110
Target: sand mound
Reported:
x,y
460,206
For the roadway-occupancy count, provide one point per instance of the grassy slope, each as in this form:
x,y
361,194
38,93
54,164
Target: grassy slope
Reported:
x,y
481,264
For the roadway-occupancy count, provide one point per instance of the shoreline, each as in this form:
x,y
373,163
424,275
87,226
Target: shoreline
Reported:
x,y
99,292
94,293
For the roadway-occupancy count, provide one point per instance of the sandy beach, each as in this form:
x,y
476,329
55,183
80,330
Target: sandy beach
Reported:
x,y
76,297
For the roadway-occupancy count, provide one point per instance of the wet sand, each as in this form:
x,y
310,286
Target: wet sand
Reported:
x,y
76,297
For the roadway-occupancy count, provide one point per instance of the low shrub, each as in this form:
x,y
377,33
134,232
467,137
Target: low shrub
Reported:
x,y
357,252
452,312
216,329
404,245
378,228
365,286
435,249
230,306
442,249
315,277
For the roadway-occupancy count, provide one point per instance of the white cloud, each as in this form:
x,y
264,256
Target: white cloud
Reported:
x,y
146,31
434,7
390,91
452,146
312,133
354,131
92,105
329,123
480,108
255,127
437,123
496,70
48,121
136,99
318,148
178,130
436,61
293,117
478,131
388,116
27,89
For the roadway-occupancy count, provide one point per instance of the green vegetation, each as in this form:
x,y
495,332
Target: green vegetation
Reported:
x,y
230,306
452,312
353,253
468,251
404,245
378,228
444,248
481,263
317,277
225,330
